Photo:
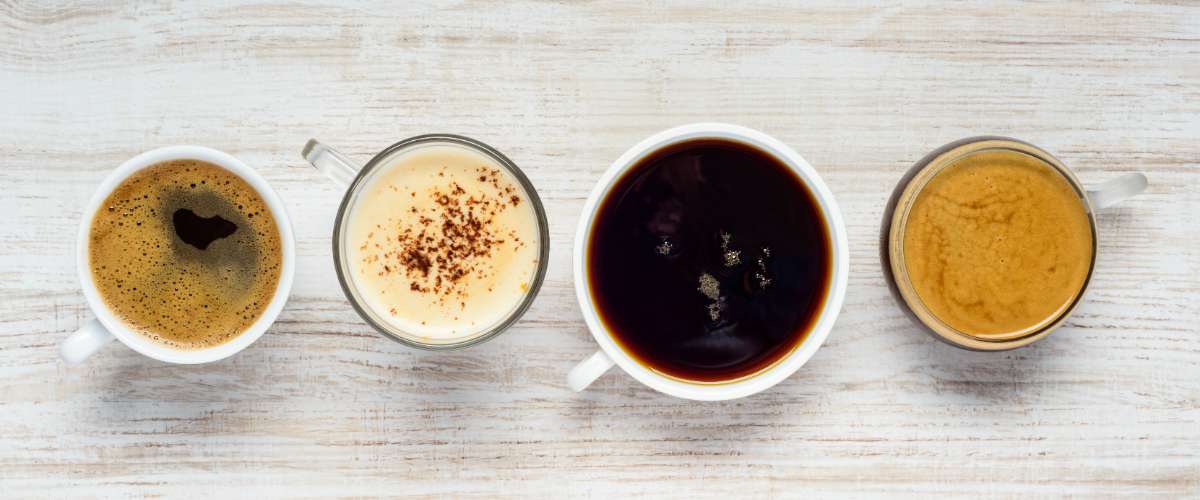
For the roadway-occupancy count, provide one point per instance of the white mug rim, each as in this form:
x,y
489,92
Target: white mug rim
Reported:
x,y
838,279
119,328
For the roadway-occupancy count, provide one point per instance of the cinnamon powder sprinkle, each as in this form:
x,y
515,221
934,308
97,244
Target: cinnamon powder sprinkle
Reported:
x,y
438,247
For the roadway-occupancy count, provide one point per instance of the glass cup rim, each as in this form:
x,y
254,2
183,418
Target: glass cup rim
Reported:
x,y
896,219
338,240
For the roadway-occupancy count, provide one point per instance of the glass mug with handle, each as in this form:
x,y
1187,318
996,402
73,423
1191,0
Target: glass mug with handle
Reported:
x,y
440,241
989,242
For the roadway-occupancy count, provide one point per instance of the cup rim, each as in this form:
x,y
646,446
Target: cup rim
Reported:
x,y
535,201
895,221
835,295
117,327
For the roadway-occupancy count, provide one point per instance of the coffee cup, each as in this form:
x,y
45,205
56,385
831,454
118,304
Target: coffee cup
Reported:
x,y
108,324
440,241
989,243
826,303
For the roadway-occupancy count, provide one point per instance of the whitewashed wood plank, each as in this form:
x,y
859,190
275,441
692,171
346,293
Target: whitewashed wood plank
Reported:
x,y
322,406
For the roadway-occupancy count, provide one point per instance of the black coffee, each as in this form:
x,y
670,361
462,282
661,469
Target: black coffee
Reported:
x,y
709,260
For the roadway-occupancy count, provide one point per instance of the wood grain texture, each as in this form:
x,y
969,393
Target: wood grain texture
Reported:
x,y
321,405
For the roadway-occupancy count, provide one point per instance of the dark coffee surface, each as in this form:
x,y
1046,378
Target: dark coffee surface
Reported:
x,y
186,253
709,261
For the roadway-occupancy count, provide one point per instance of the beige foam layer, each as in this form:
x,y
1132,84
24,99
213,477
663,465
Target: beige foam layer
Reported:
x,y
998,243
411,199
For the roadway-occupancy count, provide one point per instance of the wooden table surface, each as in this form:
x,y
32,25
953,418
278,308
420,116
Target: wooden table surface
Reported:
x,y
322,405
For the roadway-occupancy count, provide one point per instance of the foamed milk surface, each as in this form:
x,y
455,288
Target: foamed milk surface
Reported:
x,y
442,243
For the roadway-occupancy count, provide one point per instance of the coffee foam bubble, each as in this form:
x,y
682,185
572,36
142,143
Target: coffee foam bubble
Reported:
x,y
170,291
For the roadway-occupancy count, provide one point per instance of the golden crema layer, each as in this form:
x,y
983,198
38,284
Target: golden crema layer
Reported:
x,y
998,244
186,253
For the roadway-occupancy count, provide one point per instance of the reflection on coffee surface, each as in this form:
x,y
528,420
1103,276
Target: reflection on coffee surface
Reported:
x,y
998,243
709,260
442,243
186,253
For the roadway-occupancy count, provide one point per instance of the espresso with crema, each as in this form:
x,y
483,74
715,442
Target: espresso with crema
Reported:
x,y
185,253
998,244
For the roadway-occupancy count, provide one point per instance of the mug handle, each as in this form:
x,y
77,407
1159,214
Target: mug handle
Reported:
x,y
1117,190
588,370
330,162
85,342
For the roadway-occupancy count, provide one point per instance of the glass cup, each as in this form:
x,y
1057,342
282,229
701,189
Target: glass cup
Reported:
x,y
347,173
895,220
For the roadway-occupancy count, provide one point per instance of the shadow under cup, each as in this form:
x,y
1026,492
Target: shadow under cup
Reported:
x,y
353,196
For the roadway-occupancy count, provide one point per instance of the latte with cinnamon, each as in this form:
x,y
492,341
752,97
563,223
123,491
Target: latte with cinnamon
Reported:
x,y
442,243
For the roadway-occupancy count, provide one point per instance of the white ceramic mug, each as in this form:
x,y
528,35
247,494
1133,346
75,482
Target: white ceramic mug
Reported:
x,y
99,331
611,353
